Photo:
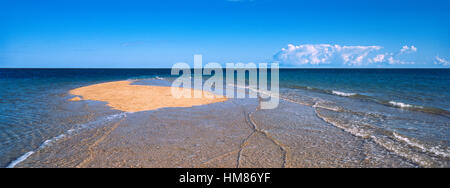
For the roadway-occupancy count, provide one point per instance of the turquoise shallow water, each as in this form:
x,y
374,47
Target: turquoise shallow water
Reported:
x,y
404,110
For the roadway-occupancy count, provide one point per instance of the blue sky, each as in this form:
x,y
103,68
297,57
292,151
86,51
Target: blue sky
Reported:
x,y
138,34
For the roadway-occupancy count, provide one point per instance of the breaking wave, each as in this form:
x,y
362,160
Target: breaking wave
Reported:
x,y
343,93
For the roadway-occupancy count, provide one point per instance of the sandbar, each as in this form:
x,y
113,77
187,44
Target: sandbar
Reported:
x,y
123,96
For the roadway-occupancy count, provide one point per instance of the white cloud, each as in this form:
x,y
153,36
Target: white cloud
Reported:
x,y
389,58
392,61
441,61
408,49
379,58
318,54
306,54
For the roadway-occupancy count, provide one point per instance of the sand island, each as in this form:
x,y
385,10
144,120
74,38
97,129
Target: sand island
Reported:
x,y
123,96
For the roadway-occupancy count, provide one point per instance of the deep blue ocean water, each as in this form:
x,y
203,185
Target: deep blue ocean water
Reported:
x,y
420,87
404,110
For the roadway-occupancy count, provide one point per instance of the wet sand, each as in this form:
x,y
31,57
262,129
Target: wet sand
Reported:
x,y
233,133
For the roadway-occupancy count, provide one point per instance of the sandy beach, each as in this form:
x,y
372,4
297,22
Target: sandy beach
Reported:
x,y
151,129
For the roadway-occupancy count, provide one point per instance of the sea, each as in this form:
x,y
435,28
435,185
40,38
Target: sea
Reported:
x,y
405,111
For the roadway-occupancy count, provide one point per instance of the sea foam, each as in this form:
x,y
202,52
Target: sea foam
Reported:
x,y
435,150
403,105
339,93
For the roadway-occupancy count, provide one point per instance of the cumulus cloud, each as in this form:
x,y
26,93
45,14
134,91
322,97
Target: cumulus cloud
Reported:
x,y
379,58
441,61
319,54
316,54
408,49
